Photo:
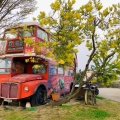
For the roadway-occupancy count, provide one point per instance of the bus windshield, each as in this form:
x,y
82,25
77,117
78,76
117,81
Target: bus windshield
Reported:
x,y
5,65
38,69
10,35
14,33
26,33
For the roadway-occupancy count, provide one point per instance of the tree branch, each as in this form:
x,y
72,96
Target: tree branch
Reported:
x,y
91,55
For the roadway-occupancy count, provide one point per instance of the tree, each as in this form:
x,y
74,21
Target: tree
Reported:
x,y
14,11
109,73
78,75
62,19
92,24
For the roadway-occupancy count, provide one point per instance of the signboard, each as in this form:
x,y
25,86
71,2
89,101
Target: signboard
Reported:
x,y
15,46
2,47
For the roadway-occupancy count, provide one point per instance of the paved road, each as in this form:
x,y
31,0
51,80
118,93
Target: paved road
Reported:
x,y
110,93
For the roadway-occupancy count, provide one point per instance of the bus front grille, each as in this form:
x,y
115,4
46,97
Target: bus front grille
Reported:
x,y
9,90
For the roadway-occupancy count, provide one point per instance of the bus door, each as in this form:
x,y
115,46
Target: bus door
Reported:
x,y
55,80
61,80
68,79
52,77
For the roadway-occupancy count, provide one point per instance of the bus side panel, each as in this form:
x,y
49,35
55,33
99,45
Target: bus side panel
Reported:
x,y
4,77
53,78
59,82
68,81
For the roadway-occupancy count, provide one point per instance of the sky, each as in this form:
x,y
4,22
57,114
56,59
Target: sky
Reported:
x,y
44,5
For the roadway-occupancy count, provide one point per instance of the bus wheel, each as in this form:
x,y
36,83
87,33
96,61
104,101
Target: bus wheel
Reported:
x,y
71,86
37,98
1,101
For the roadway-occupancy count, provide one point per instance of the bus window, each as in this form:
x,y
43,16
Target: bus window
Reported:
x,y
18,67
52,39
67,72
71,72
38,69
9,34
5,65
42,34
53,70
60,71
25,33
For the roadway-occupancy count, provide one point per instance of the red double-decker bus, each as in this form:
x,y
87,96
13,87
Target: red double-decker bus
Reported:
x,y
24,82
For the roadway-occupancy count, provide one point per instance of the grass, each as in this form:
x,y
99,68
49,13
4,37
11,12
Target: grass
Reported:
x,y
89,114
99,97
31,109
98,114
104,110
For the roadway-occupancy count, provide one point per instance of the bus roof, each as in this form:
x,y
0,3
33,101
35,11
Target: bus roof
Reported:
x,y
21,24
28,23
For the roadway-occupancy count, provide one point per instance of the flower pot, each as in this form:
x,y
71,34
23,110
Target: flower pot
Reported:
x,y
55,96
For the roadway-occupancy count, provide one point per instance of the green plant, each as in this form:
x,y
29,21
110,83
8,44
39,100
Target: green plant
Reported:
x,y
54,91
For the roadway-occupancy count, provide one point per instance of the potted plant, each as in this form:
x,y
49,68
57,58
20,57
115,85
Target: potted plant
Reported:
x,y
55,95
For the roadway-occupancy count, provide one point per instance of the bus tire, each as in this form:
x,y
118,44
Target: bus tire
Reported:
x,y
38,98
1,101
71,85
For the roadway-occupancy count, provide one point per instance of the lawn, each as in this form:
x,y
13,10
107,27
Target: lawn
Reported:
x,y
74,110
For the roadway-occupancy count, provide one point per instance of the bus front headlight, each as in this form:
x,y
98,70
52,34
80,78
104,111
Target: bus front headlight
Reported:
x,y
26,88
